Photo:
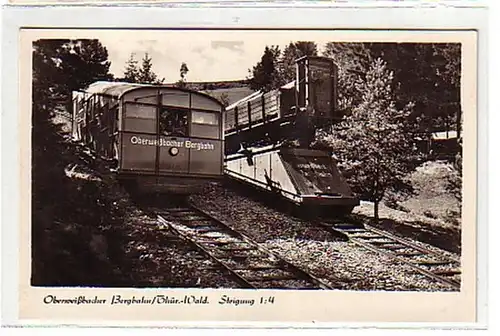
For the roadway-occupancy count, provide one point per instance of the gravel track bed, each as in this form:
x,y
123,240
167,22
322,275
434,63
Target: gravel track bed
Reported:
x,y
346,266
161,262
343,265
254,219
432,248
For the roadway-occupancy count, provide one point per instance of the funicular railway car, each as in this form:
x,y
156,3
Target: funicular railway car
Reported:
x,y
269,135
307,102
161,138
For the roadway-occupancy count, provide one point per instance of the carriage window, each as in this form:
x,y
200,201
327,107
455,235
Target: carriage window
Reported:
x,y
140,118
205,118
173,122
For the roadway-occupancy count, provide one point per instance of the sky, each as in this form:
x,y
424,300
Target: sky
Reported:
x,y
220,55
209,56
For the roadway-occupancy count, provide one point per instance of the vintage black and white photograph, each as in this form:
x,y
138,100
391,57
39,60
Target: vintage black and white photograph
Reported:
x,y
246,160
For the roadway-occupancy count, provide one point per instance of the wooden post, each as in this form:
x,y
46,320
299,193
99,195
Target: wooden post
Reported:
x,y
263,104
249,112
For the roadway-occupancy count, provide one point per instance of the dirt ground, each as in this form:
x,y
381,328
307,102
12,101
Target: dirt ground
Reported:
x,y
431,215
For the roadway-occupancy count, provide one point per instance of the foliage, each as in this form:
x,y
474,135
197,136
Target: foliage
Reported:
x,y
427,74
374,144
353,61
224,99
277,68
146,74
183,72
65,215
61,66
265,73
286,64
143,74
131,73
455,178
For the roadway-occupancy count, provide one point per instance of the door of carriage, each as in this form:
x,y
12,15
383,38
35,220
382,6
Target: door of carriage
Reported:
x,y
166,132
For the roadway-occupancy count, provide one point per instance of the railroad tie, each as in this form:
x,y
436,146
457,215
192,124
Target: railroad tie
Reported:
x,y
271,278
447,272
433,262
409,254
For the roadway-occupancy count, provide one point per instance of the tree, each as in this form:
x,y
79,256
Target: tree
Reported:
x,y
277,68
294,50
224,99
374,144
427,74
61,66
141,74
449,72
353,61
47,75
265,73
131,73
146,74
183,72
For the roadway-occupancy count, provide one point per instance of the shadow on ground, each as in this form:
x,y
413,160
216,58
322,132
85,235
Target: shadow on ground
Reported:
x,y
448,239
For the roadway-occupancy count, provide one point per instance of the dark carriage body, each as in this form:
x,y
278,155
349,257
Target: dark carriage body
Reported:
x,y
162,137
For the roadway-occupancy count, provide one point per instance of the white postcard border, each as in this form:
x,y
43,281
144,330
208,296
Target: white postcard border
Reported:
x,y
233,18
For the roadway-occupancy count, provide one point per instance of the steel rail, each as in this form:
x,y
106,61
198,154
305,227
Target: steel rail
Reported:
x,y
364,242
240,279
289,266
278,262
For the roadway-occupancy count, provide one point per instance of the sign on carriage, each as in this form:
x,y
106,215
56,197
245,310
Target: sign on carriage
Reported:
x,y
143,140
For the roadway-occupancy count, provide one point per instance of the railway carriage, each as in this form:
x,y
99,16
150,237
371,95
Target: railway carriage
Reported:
x,y
268,138
161,138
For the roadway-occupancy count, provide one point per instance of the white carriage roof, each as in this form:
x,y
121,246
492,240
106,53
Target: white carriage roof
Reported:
x,y
118,89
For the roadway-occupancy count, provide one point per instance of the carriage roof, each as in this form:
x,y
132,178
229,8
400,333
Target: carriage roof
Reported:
x,y
118,89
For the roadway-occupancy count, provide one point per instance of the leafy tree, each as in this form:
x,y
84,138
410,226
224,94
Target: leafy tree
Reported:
x,y
265,73
425,73
353,61
291,53
374,143
449,71
84,62
277,68
131,73
47,75
61,66
224,99
183,72
294,50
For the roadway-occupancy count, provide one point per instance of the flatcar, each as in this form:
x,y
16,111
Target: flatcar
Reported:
x,y
293,110
161,138
268,137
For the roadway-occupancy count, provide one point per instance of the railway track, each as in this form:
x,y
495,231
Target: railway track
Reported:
x,y
434,265
248,262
